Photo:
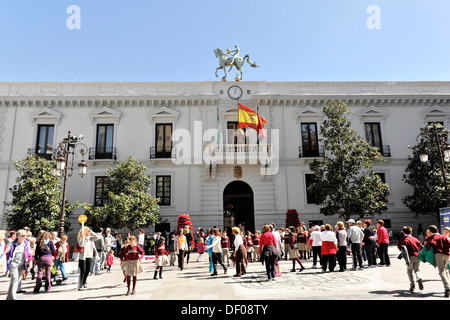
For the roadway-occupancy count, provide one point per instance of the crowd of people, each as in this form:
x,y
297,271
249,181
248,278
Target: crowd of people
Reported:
x,y
45,255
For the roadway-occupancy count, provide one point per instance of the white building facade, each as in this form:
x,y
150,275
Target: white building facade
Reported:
x,y
257,183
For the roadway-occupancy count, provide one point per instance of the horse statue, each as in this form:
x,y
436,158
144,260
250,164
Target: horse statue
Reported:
x,y
236,61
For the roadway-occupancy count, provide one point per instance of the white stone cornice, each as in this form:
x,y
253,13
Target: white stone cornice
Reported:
x,y
353,100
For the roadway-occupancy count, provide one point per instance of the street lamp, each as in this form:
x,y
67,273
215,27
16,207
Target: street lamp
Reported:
x,y
444,155
65,150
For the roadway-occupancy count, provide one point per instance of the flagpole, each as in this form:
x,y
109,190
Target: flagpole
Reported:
x,y
257,133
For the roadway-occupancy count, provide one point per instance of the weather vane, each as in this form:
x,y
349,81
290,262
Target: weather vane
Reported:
x,y
232,59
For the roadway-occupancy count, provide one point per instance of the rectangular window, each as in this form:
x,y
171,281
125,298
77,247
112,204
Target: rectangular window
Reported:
x,y
373,135
163,185
313,223
310,140
163,141
100,191
104,145
308,181
382,176
44,144
235,134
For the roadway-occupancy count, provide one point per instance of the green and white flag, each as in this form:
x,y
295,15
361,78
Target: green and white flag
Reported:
x,y
219,133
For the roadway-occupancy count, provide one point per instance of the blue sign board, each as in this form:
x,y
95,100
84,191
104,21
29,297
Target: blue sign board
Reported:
x,y
444,218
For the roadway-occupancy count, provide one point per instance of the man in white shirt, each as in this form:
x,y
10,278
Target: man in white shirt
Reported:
x,y
216,252
109,240
141,239
316,246
355,236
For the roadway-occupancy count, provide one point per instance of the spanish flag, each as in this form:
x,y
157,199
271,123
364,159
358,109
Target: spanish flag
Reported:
x,y
248,118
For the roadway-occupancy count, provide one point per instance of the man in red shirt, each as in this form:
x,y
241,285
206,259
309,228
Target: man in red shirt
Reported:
x,y
441,248
383,244
414,247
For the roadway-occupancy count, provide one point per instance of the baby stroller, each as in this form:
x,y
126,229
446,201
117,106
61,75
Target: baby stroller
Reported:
x,y
55,277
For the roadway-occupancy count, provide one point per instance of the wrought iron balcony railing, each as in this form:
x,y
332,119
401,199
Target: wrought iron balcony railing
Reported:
x,y
103,153
162,153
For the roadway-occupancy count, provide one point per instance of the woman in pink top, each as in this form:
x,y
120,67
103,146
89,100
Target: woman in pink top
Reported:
x,y
383,243
268,251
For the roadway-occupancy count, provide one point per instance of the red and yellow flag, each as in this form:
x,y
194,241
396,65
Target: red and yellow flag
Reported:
x,y
248,118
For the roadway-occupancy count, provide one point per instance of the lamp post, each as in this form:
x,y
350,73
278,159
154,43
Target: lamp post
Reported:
x,y
65,150
444,155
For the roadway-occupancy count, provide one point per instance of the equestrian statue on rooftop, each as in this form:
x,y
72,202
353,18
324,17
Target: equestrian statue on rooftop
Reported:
x,y
231,59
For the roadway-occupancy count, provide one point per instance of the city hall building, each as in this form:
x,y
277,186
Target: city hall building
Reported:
x,y
187,135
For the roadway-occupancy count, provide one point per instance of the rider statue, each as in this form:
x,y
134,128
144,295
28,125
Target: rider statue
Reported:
x,y
234,53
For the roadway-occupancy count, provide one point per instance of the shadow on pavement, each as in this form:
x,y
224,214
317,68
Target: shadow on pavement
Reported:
x,y
406,294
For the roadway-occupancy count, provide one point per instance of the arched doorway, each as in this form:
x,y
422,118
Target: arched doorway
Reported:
x,y
238,207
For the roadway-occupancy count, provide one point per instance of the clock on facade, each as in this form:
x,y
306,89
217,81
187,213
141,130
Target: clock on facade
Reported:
x,y
235,92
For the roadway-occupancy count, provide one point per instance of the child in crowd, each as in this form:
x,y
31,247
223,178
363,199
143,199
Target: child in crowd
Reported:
x,y
161,257
172,253
131,257
200,249
110,260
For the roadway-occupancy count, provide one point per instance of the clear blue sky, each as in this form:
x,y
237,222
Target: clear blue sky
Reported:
x,y
173,40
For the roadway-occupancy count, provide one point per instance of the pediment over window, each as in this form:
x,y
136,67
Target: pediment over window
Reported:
x,y
309,114
105,114
436,114
373,113
46,114
164,114
230,114
435,111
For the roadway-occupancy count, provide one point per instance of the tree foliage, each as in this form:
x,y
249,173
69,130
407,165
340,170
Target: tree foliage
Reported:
x,y
343,181
426,179
36,198
128,203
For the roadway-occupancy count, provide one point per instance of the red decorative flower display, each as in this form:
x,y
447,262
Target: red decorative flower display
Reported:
x,y
292,218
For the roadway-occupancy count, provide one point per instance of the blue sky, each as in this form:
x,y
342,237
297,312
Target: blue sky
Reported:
x,y
172,40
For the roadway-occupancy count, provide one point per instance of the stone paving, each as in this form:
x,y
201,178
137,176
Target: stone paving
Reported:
x,y
196,284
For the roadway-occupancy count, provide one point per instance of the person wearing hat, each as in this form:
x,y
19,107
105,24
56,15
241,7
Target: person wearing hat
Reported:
x,y
355,236
414,246
447,232
441,249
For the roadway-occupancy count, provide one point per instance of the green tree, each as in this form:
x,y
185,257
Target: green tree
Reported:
x,y
128,203
343,181
426,179
36,198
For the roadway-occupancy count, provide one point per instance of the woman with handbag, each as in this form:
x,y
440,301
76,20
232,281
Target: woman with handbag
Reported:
x,y
293,250
240,253
44,259
62,256
268,252
85,243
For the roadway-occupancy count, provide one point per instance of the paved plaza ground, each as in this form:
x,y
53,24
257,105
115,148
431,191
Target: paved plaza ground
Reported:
x,y
196,284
